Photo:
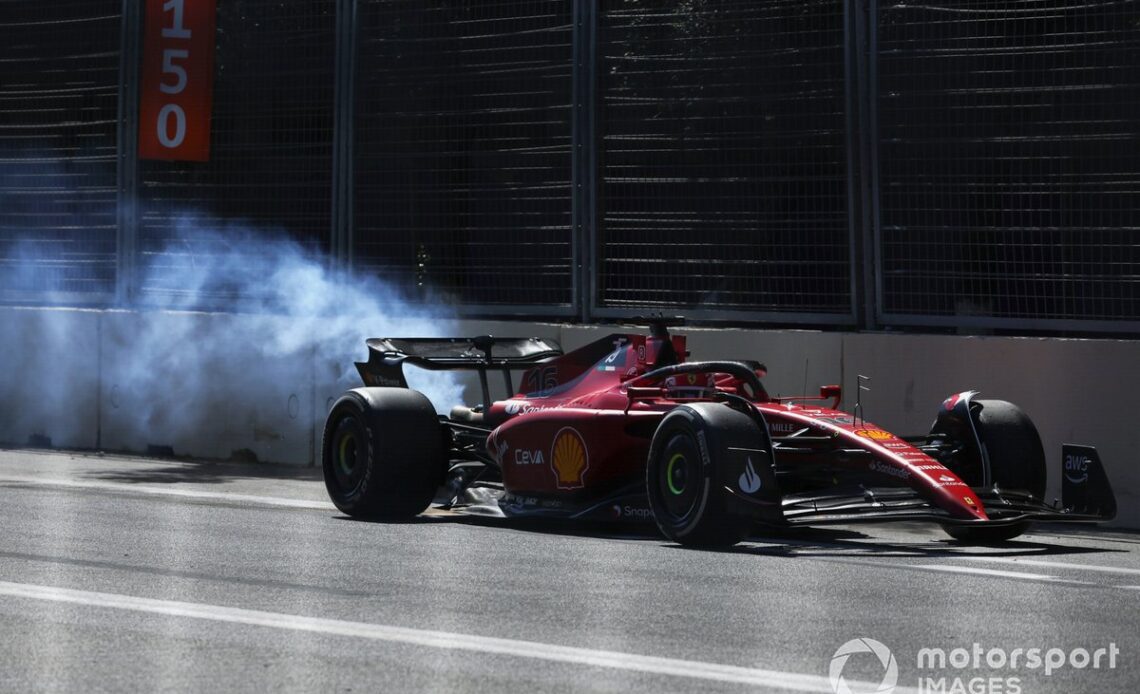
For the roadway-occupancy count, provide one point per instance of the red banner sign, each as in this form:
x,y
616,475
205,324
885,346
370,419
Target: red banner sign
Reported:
x,y
177,80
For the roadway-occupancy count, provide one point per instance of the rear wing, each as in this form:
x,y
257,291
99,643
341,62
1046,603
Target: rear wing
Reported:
x,y
387,356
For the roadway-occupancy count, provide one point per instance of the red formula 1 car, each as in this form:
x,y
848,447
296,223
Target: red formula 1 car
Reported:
x,y
628,429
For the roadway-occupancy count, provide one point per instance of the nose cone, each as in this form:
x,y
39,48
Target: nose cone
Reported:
x,y
965,504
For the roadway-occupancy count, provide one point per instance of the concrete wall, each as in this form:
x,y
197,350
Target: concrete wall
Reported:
x,y
80,396
226,410
49,379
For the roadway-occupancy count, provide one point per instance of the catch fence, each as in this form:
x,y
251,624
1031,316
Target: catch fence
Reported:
x,y
850,163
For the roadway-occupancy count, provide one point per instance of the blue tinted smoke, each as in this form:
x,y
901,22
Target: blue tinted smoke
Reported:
x,y
226,326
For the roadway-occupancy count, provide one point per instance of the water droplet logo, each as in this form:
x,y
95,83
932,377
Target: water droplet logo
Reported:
x,y
863,645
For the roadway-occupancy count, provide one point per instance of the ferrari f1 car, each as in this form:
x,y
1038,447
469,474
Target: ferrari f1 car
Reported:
x,y
628,429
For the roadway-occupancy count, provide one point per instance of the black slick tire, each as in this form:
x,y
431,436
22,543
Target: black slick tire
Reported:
x,y
383,453
1017,462
684,475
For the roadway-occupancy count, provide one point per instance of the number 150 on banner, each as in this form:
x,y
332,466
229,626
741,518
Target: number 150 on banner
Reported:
x,y
177,80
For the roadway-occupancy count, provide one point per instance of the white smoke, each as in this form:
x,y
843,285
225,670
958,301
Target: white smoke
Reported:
x,y
227,325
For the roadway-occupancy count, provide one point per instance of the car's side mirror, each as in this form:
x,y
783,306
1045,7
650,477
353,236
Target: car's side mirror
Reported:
x,y
834,392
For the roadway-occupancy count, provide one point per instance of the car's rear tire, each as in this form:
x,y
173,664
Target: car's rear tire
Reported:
x,y
683,477
383,453
1017,462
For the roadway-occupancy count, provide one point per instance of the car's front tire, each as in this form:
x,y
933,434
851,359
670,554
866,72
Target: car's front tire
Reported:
x,y
685,472
382,453
1017,462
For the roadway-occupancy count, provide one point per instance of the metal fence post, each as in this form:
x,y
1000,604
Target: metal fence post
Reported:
x,y
873,271
862,157
127,163
584,144
341,233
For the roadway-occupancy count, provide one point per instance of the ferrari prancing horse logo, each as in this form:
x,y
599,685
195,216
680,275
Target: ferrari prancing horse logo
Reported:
x,y
569,460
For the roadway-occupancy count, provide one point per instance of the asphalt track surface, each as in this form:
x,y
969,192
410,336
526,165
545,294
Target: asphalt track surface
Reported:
x,y
130,574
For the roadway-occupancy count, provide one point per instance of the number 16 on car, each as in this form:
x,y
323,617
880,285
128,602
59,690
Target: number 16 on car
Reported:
x,y
176,97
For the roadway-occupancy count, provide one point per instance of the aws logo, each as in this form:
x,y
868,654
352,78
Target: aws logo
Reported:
x,y
569,460
1077,468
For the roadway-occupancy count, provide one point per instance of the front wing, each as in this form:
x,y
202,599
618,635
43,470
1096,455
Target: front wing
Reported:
x,y
900,504
1086,497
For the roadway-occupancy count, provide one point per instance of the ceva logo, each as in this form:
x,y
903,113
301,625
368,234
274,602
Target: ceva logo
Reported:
x,y
855,647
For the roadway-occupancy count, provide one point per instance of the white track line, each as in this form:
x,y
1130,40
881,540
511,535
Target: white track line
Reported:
x,y
1057,565
123,487
439,639
1044,578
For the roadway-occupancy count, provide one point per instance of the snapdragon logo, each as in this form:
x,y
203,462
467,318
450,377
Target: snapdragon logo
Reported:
x,y
855,647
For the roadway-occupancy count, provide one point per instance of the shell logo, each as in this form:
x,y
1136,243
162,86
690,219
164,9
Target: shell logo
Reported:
x,y
874,434
569,460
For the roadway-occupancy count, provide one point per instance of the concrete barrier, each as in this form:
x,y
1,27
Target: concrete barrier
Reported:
x,y
165,388
71,377
49,381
